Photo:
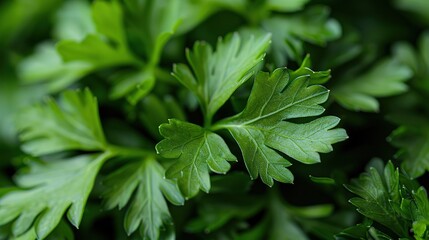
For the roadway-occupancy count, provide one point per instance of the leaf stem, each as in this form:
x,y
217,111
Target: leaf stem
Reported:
x,y
207,121
224,124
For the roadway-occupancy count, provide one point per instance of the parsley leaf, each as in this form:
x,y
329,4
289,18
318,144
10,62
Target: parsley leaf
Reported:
x,y
93,50
417,60
148,209
49,190
234,215
290,32
420,214
378,192
73,21
46,66
71,124
107,17
95,41
412,136
413,140
154,22
197,151
216,211
156,111
384,79
13,98
216,75
391,199
260,128
419,8
285,5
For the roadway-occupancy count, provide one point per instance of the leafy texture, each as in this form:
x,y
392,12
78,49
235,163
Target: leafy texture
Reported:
x,y
384,79
13,98
49,190
413,141
294,222
156,111
216,211
72,123
221,110
419,7
389,198
376,192
416,60
286,5
152,24
107,17
290,32
260,129
46,65
197,151
216,75
74,21
83,48
280,221
412,135
146,183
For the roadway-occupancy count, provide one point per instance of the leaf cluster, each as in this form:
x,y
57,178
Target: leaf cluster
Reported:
x,y
214,119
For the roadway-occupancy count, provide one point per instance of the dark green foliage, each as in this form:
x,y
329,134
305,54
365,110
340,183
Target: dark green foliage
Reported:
x,y
116,113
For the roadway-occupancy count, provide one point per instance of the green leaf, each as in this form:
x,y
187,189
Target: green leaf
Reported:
x,y
107,18
323,180
20,20
72,123
417,60
106,49
49,190
29,235
255,11
155,112
412,135
286,5
378,195
216,211
45,65
255,233
216,75
421,214
413,141
73,21
319,77
95,51
290,32
154,23
148,210
233,183
134,85
197,151
419,8
359,231
288,222
13,98
391,199
229,210
260,128
384,79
